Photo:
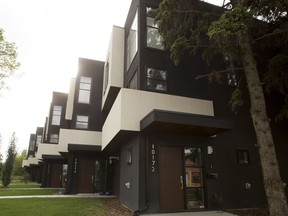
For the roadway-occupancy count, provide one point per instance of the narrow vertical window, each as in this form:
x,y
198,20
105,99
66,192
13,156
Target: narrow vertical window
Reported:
x,y
132,41
84,90
106,74
56,118
82,122
154,39
32,142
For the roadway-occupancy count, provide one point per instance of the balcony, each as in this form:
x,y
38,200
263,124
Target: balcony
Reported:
x,y
131,106
30,161
81,138
47,149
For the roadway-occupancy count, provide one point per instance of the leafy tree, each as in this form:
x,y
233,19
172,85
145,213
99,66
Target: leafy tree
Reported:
x,y
8,166
1,164
8,59
18,170
234,34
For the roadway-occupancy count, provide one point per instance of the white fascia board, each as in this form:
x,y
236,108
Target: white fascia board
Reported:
x,y
47,149
79,137
131,106
70,100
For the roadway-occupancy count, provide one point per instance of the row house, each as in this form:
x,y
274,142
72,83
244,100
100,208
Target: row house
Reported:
x,y
141,128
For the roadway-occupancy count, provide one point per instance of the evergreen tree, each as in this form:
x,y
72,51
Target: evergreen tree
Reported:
x,y
8,166
234,33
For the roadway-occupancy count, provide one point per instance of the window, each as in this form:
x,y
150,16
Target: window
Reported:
x,y
133,82
156,79
82,122
54,138
32,143
56,118
154,39
132,41
194,178
243,157
84,90
38,140
106,74
231,75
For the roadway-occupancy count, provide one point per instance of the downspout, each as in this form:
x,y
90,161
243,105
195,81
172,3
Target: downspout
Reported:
x,y
137,212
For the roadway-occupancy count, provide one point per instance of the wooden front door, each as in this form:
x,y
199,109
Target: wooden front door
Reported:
x,y
56,175
86,175
171,178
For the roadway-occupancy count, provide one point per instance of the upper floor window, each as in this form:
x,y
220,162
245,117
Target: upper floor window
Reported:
x,y
106,74
32,143
154,39
84,90
156,79
132,41
38,140
54,138
56,118
82,122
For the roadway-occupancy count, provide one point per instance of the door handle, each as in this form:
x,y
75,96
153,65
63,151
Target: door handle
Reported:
x,y
181,182
92,179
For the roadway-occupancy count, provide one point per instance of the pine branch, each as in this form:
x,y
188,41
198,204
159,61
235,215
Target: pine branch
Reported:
x,y
269,35
222,71
196,11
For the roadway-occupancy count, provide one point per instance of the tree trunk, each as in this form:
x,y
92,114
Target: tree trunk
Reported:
x,y
273,184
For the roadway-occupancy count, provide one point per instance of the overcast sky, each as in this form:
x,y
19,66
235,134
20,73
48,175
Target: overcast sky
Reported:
x,y
50,36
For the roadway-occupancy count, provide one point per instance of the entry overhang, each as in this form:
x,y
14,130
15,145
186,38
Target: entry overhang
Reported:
x,y
184,123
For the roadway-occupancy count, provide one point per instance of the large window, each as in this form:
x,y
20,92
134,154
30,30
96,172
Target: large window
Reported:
x,y
154,39
156,79
132,41
84,90
82,122
56,118
54,138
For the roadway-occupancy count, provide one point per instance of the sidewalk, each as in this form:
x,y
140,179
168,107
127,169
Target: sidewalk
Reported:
x,y
205,213
58,196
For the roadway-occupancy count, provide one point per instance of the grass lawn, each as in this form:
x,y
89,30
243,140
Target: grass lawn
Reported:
x,y
52,207
20,184
27,192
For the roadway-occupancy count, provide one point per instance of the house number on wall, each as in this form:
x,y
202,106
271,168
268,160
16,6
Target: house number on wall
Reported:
x,y
153,152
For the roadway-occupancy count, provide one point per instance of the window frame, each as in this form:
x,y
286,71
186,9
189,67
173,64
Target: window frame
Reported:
x,y
131,56
56,115
55,139
155,79
77,126
85,90
154,27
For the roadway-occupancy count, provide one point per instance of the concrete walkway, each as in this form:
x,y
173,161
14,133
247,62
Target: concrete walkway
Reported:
x,y
204,213
58,196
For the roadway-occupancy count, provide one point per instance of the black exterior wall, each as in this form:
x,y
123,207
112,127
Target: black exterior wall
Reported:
x,y
93,69
230,189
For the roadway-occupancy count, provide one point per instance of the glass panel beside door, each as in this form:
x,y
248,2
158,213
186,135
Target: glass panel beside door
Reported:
x,y
194,178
